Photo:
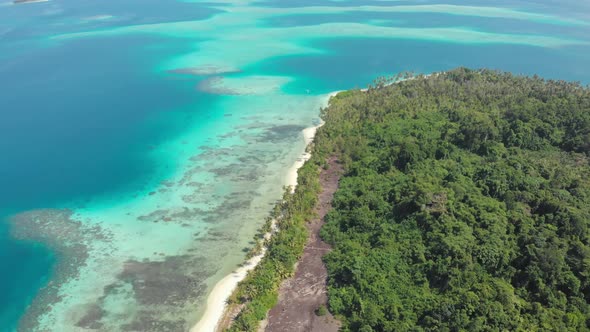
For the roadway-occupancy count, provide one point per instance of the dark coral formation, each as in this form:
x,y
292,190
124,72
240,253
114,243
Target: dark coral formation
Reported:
x,y
167,292
276,134
67,237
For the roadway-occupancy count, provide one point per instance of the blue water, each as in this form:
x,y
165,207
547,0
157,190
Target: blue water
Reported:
x,y
432,20
95,107
84,121
78,109
364,64
26,267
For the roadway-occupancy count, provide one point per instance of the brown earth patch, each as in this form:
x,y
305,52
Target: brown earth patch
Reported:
x,y
301,295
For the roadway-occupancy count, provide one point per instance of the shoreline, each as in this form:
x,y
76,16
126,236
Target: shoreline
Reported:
x,y
216,303
215,307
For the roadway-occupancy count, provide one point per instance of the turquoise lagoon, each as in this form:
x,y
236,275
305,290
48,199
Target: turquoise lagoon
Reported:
x,y
144,142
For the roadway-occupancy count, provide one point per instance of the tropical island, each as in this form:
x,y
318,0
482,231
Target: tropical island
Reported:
x,y
463,205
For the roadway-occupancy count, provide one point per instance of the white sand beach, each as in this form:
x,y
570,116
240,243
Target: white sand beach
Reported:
x,y
216,301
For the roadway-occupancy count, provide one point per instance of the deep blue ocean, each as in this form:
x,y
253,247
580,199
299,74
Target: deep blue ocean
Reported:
x,y
72,111
77,118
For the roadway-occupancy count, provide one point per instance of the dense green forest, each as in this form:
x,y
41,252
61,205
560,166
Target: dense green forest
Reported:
x,y
465,204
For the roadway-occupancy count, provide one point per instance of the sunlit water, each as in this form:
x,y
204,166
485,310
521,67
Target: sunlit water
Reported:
x,y
144,142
